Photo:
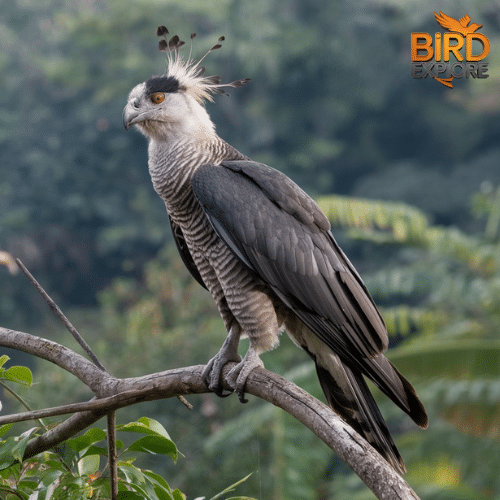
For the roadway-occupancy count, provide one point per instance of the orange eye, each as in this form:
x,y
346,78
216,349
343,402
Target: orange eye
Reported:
x,y
158,97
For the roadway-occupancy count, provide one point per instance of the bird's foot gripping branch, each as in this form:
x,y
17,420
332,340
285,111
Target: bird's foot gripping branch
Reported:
x,y
107,394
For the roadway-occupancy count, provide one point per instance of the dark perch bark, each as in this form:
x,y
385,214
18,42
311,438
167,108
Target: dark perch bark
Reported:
x,y
377,474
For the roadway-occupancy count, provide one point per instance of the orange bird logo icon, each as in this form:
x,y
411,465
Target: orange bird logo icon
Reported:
x,y
461,26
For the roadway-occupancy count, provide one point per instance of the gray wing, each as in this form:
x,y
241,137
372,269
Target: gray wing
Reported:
x,y
280,233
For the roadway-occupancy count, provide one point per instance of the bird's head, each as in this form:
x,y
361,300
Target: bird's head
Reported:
x,y
171,106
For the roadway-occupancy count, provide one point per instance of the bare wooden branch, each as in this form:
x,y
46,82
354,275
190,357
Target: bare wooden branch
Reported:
x,y
378,475
6,388
118,401
185,402
112,456
65,430
74,363
60,315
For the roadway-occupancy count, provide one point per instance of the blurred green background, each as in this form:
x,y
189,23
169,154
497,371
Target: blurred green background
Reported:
x,y
415,168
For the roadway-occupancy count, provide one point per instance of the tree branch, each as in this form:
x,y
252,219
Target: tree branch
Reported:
x,y
112,456
377,474
77,365
60,315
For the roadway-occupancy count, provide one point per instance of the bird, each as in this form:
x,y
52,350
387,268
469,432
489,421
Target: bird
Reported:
x,y
461,26
265,251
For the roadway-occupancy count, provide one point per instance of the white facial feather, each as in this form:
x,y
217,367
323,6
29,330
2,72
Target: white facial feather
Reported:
x,y
184,89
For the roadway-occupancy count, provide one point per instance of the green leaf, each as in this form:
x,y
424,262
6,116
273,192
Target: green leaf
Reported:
x,y
138,481
162,494
145,425
89,465
28,484
4,428
95,435
66,453
92,436
71,487
158,479
3,359
101,484
11,494
399,220
54,464
49,476
464,359
96,450
132,474
154,425
21,443
129,495
178,495
136,427
19,374
154,445
230,488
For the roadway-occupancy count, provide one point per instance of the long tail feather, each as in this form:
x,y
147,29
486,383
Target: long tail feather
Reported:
x,y
348,395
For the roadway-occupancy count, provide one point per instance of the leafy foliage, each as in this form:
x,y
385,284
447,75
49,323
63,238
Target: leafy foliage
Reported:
x,y
19,374
76,470
331,104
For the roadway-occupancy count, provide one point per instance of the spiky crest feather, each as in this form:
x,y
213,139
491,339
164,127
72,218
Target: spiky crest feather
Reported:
x,y
188,72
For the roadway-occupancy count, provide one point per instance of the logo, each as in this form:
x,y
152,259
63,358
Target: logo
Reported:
x,y
461,41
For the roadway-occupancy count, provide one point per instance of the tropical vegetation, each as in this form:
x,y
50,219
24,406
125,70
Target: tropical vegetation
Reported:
x,y
414,168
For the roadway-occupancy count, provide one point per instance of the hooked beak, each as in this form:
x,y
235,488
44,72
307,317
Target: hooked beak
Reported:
x,y
132,115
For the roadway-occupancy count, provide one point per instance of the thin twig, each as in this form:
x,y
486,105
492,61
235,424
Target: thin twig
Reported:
x,y
55,309
112,456
185,402
118,400
23,402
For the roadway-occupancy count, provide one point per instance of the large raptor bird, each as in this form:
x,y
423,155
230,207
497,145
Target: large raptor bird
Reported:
x,y
264,250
